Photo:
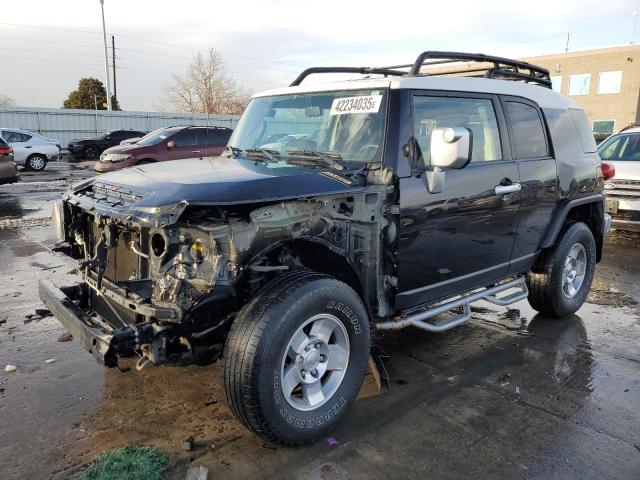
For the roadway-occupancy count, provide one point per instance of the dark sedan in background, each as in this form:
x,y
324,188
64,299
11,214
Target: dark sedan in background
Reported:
x,y
91,148
169,143
8,169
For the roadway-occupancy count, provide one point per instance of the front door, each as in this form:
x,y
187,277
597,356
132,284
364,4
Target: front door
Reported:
x,y
187,145
463,237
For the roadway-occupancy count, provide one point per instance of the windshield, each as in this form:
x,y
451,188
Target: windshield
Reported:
x,y
157,136
621,148
347,125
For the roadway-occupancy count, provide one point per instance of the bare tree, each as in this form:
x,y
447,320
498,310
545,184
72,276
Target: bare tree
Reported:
x,y
205,88
6,101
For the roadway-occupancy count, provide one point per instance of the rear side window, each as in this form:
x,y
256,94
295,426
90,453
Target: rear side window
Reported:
x,y
527,130
584,130
187,138
15,137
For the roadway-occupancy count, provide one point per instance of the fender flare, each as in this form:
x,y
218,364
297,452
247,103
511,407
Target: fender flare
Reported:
x,y
560,215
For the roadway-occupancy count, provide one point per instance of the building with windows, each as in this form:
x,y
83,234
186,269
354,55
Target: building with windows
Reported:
x,y
605,81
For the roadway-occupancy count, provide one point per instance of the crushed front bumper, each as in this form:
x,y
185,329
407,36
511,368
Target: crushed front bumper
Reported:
x,y
95,338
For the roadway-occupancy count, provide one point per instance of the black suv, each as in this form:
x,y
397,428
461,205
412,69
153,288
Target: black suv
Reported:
x,y
388,202
91,148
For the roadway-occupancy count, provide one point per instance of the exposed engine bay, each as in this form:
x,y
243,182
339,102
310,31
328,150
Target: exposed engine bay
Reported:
x,y
169,280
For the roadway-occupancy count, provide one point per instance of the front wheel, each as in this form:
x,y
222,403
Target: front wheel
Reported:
x,y
560,280
296,356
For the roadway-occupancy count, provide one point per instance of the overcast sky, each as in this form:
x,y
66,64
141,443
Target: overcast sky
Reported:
x,y
47,46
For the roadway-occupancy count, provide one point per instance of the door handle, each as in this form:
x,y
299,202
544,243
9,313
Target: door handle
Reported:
x,y
195,151
506,189
27,146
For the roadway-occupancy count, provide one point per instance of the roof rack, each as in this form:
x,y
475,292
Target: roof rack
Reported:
x,y
360,70
501,68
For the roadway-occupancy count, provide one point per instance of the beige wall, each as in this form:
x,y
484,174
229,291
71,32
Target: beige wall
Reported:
x,y
621,107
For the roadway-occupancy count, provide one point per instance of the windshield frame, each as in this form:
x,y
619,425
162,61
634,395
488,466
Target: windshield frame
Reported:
x,y
357,90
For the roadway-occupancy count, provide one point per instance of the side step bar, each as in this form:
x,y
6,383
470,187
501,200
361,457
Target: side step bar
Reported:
x,y
418,319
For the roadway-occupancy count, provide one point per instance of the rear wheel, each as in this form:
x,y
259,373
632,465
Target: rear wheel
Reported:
x,y
296,356
560,281
36,162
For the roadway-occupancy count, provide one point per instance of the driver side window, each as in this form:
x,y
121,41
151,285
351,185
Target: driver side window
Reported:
x,y
476,114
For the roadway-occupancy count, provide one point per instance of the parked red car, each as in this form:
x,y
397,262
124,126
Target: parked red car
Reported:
x,y
169,143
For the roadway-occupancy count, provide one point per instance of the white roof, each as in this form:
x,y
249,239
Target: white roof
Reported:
x,y
544,97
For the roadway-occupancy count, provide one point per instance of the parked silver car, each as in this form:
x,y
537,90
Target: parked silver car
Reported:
x,y
31,149
622,150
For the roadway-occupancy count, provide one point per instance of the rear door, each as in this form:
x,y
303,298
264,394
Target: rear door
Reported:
x,y
463,237
532,150
20,144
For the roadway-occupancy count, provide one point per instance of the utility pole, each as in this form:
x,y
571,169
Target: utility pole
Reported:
x,y
113,64
106,57
566,48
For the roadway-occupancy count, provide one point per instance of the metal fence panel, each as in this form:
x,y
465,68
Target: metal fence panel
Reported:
x,y
67,124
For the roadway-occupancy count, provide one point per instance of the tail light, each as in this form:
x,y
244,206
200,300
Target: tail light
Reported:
x,y
608,171
6,150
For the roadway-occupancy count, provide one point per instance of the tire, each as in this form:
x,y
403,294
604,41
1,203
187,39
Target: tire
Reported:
x,y
551,290
90,152
36,162
258,366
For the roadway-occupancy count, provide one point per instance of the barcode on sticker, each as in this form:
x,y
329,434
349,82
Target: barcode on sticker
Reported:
x,y
366,104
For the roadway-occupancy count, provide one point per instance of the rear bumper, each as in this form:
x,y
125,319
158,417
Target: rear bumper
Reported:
x,y
93,337
629,225
8,172
616,203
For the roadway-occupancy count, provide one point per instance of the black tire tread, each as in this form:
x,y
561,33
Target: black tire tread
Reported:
x,y
241,351
541,280
239,347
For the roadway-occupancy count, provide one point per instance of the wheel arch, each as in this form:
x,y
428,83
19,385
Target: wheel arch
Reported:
x,y
589,210
317,255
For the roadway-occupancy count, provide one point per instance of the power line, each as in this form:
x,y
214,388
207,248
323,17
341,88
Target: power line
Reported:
x,y
126,67
174,45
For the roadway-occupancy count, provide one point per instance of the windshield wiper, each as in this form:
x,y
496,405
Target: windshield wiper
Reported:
x,y
327,157
233,150
269,154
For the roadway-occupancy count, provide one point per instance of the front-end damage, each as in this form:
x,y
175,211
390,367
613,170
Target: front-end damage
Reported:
x,y
166,282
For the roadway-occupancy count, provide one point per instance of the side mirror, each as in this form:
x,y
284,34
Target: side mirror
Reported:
x,y
171,144
451,147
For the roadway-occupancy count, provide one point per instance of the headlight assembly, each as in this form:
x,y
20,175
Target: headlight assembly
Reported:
x,y
57,218
116,157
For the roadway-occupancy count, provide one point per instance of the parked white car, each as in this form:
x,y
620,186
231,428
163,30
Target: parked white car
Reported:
x,y
30,149
622,150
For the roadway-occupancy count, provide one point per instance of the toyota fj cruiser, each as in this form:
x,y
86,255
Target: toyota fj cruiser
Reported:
x,y
389,201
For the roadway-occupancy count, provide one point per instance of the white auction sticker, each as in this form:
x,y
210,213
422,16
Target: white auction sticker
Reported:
x,y
365,104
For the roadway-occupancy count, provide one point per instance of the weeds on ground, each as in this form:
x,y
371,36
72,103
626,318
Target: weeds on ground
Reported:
x,y
127,463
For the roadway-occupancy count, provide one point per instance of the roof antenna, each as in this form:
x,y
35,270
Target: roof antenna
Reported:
x,y
566,48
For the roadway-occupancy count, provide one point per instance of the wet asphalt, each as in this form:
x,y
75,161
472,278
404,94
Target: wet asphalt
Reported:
x,y
510,394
